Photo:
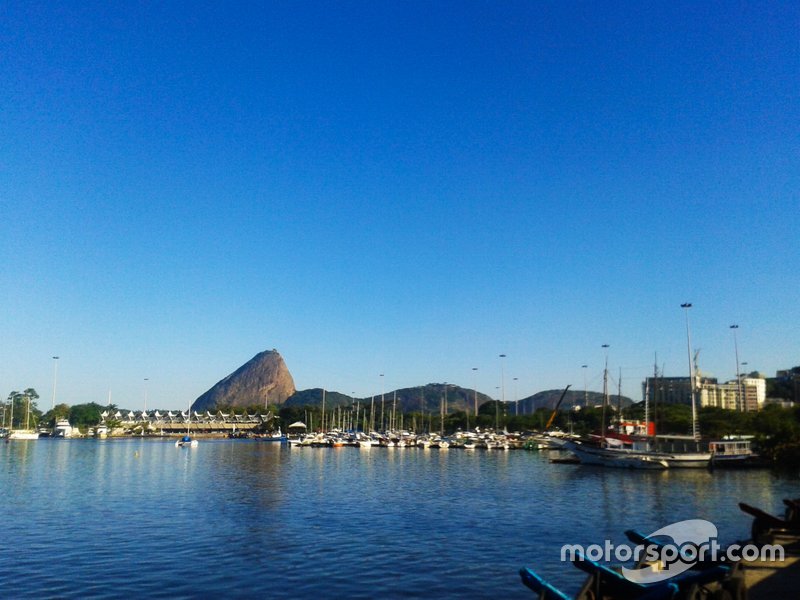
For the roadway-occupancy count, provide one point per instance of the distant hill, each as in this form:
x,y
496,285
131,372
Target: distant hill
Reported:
x,y
429,398
263,379
313,397
549,398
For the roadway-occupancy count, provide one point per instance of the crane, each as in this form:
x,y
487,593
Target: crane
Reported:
x,y
555,410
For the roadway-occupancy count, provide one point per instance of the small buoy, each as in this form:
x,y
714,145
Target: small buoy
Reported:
x,y
136,454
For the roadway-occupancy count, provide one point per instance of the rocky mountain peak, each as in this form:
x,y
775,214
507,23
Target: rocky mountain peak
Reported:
x,y
263,379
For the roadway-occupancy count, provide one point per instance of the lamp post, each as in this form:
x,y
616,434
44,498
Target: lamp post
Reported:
x,y
502,393
55,378
422,410
496,407
742,405
695,432
605,393
744,375
516,396
585,389
475,389
442,403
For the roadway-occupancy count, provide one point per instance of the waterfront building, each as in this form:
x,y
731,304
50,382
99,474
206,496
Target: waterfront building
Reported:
x,y
754,390
673,390
727,395
749,395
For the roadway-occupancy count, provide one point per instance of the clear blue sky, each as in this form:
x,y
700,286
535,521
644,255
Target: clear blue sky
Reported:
x,y
407,188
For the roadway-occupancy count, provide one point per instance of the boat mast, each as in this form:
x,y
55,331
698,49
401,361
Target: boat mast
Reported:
x,y
647,397
695,431
394,410
372,414
323,410
441,412
383,403
605,398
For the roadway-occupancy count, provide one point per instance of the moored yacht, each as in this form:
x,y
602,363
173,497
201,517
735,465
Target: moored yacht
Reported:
x,y
63,429
186,442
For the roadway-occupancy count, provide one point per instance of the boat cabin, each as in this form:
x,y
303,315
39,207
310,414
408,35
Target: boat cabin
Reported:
x,y
730,449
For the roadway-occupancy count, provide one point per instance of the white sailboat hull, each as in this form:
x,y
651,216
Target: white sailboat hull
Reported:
x,y
21,434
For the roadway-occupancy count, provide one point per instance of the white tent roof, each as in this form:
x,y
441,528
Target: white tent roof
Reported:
x,y
298,424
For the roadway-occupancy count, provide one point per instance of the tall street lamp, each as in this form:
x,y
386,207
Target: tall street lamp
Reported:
x,y
475,389
442,410
585,389
741,402
744,376
605,393
502,393
516,400
383,428
55,378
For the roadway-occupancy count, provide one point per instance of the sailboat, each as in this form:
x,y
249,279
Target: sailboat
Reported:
x,y
187,441
686,458
643,454
606,455
27,433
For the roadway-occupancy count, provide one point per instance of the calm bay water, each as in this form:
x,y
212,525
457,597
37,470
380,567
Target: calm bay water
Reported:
x,y
141,518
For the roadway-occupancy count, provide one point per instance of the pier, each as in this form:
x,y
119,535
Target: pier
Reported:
x,y
176,423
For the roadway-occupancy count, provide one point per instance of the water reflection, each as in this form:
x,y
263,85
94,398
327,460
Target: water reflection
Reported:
x,y
371,522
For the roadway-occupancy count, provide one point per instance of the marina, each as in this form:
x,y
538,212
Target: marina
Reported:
x,y
383,300
330,522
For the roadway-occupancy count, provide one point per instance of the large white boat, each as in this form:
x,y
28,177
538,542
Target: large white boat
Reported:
x,y
63,429
615,457
609,451
679,451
